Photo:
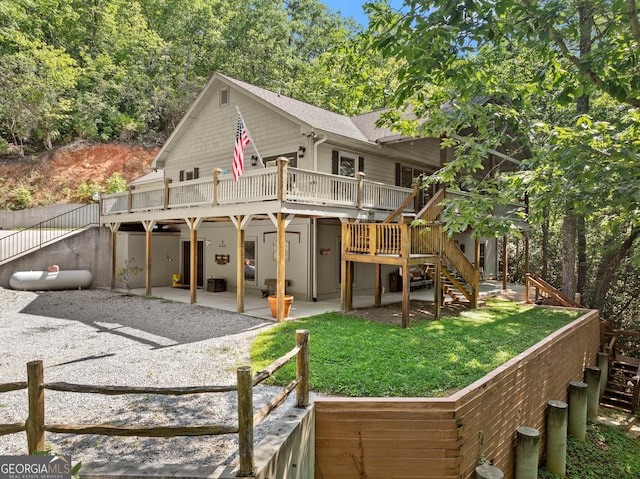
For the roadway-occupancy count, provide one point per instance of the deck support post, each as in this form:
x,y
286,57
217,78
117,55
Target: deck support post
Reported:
x,y
280,273
193,224
437,286
240,266
148,228
114,239
505,263
378,286
406,285
346,286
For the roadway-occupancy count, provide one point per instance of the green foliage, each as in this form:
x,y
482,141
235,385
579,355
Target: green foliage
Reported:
x,y
20,199
85,191
607,453
126,272
353,357
127,69
115,184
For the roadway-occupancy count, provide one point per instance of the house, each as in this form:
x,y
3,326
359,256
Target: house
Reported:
x,y
309,174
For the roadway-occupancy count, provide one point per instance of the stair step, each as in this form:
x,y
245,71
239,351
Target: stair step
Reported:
x,y
625,366
622,405
617,393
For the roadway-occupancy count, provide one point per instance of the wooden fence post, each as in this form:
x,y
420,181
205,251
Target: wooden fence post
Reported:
x,y
603,364
302,368
556,447
592,378
578,410
35,421
527,287
527,442
486,471
245,421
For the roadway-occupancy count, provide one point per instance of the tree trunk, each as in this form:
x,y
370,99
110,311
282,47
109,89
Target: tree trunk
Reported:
x,y
545,244
583,262
608,266
569,255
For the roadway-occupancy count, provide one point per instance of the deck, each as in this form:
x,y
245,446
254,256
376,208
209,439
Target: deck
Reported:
x,y
266,190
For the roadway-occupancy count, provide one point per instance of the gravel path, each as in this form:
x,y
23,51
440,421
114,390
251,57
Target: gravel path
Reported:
x,y
101,337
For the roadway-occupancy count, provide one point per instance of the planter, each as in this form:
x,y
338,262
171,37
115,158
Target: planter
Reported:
x,y
288,299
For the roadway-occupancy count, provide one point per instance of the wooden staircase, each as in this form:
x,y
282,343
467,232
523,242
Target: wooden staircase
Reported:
x,y
623,382
622,386
452,285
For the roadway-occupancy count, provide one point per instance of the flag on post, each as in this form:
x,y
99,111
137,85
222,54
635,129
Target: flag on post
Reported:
x,y
242,140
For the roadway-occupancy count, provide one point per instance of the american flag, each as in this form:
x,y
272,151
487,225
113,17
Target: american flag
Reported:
x,y
242,140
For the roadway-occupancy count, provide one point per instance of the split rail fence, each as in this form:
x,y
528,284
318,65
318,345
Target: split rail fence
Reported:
x,y
35,426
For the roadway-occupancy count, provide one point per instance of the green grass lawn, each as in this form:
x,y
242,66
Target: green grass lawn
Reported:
x,y
608,453
354,357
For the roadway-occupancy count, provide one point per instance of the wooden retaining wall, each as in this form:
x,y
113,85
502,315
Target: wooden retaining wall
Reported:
x,y
443,438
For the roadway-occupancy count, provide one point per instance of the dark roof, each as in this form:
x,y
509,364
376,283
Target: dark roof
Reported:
x,y
313,116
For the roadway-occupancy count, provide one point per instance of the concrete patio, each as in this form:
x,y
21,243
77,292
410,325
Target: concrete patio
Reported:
x,y
258,307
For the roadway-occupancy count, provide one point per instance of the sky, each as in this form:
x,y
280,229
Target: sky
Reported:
x,y
353,8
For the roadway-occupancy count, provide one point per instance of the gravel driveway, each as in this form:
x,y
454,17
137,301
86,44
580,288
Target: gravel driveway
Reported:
x,y
101,337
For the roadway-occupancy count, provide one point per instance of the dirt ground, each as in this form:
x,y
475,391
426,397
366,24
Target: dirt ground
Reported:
x,y
423,310
54,176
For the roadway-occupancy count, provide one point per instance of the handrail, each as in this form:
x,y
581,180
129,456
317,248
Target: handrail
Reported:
x,y
613,352
463,266
402,207
541,285
433,208
35,425
48,231
281,183
401,239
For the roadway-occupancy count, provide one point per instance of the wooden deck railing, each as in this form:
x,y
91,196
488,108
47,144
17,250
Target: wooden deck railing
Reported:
x,y
402,240
433,208
465,268
624,347
273,183
544,290
36,425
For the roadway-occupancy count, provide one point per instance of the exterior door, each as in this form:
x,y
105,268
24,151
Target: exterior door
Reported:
x,y
186,263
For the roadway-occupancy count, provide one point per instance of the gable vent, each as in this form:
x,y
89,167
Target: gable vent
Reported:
x,y
224,96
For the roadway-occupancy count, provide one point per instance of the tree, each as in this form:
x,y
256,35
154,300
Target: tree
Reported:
x,y
456,72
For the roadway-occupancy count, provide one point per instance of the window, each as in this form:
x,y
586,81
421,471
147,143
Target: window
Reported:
x,y
224,96
406,174
189,175
346,164
250,260
482,256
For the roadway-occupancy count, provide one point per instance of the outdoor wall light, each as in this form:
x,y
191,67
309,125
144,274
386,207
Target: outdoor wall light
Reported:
x,y
254,160
301,151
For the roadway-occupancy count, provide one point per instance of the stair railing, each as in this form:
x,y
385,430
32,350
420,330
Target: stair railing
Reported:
x,y
48,231
433,208
625,347
543,288
464,268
